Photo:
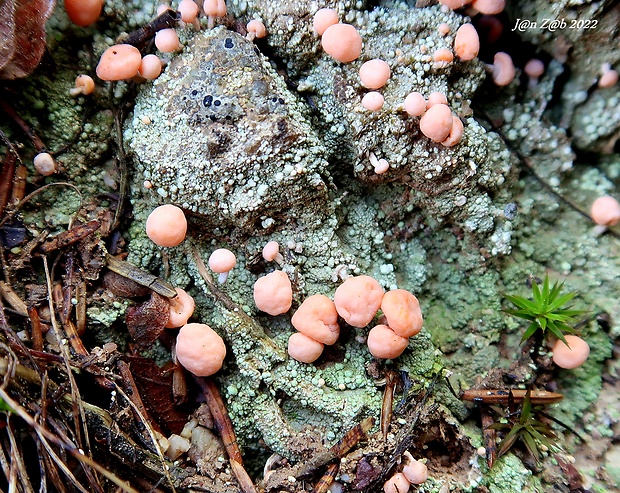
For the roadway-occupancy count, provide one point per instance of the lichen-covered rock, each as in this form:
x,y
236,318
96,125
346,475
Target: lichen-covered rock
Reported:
x,y
289,26
220,135
446,180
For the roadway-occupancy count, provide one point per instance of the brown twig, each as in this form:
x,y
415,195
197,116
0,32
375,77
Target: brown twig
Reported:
x,y
19,184
13,299
6,179
141,36
225,427
338,450
23,125
36,334
70,237
391,378
140,276
327,479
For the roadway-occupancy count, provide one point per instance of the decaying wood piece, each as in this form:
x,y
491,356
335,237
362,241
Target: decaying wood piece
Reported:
x,y
13,299
338,450
22,29
224,426
70,237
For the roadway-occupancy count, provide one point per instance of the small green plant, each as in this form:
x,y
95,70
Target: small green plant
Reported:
x,y
522,425
546,312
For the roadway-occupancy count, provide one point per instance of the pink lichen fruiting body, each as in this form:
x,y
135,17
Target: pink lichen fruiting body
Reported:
x,y
443,28
605,211
181,309
443,55
166,226
503,69
489,7
373,101
384,343
456,133
323,19
609,78
84,84
374,73
44,164
437,122
402,311
303,348
150,67
167,40
573,356
200,350
415,104
357,300
256,28
396,484
83,12
342,42
416,472
222,261
317,318
466,42
189,10
534,68
119,62
436,97
273,293
271,250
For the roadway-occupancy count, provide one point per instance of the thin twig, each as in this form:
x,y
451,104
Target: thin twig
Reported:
x,y
17,458
23,125
149,428
225,427
38,191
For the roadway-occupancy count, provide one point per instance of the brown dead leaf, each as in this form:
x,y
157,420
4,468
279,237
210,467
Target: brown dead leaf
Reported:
x,y
22,35
155,385
146,321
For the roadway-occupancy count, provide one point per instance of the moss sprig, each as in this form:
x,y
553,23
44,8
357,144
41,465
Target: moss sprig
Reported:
x,y
546,312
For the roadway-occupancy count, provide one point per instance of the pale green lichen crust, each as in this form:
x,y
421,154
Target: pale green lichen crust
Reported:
x,y
220,135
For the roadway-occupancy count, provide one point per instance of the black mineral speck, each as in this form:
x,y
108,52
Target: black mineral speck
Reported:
x,y
208,99
228,43
194,92
510,211
217,102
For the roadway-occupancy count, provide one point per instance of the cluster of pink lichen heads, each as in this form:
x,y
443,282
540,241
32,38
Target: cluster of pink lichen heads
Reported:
x,y
357,301
343,43
125,61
